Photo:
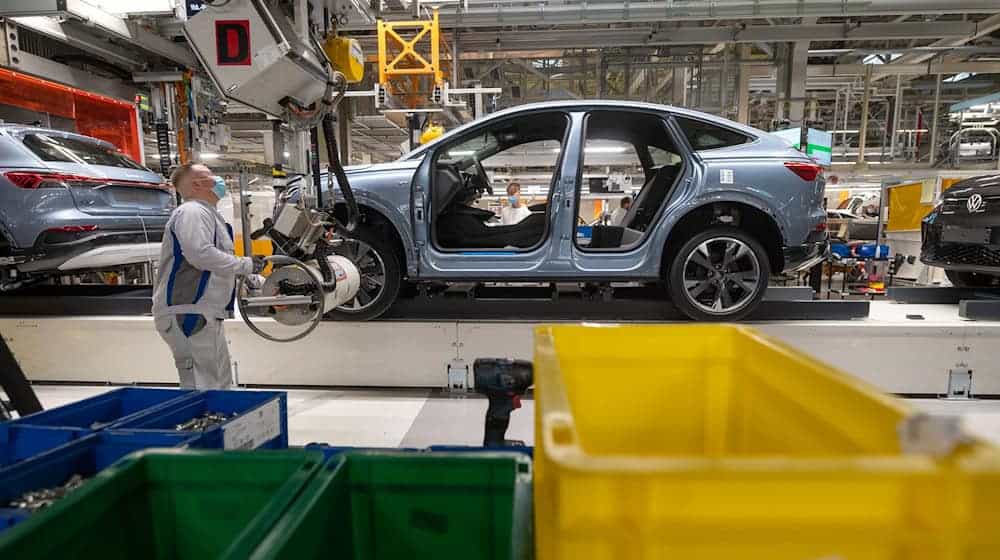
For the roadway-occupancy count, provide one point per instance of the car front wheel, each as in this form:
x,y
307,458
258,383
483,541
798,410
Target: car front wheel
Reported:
x,y
719,275
381,275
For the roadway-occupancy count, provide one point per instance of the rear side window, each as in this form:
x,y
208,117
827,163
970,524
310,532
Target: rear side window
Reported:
x,y
72,150
705,136
663,157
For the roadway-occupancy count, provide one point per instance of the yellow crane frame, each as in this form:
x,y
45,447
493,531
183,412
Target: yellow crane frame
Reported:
x,y
409,62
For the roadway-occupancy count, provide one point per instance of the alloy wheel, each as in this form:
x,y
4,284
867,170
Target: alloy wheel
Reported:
x,y
721,275
372,270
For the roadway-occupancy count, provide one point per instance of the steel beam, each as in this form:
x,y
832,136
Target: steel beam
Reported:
x,y
983,28
679,88
696,35
880,70
148,39
9,43
897,108
74,36
56,72
795,90
345,115
491,13
934,123
743,87
147,77
80,13
863,130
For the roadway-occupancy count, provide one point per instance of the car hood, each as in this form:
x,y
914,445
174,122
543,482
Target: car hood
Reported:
x,y
986,185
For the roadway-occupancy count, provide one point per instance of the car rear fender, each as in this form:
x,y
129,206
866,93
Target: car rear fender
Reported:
x,y
711,208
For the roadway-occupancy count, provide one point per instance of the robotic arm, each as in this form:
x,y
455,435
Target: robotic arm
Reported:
x,y
257,56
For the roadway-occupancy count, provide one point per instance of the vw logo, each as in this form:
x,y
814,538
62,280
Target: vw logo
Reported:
x,y
975,203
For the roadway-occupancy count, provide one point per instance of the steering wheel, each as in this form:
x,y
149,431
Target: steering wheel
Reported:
x,y
483,177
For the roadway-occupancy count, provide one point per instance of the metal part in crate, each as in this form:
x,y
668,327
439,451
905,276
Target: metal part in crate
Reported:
x,y
39,481
38,499
204,422
225,419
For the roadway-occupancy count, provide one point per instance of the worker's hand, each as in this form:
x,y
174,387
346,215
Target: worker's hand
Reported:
x,y
255,282
259,264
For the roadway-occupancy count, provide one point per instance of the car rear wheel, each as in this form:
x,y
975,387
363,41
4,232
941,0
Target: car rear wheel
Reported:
x,y
381,275
719,275
965,279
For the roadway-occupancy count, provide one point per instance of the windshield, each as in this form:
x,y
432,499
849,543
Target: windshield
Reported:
x,y
74,150
471,150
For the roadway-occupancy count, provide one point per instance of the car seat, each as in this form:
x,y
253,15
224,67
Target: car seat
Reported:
x,y
647,203
464,227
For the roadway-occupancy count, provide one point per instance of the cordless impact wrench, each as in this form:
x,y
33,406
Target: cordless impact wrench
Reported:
x,y
503,381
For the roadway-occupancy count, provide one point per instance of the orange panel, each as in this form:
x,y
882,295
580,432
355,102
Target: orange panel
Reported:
x,y
96,115
113,122
34,94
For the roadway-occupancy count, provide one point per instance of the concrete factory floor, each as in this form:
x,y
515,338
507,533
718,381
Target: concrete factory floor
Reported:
x,y
376,418
419,418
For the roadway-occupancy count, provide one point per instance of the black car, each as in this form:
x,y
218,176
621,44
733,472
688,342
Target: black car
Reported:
x,y
962,234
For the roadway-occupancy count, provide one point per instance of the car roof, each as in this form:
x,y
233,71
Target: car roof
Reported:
x,y
16,128
588,104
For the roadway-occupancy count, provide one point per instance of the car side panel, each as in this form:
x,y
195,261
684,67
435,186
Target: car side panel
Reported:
x,y
689,197
760,174
754,181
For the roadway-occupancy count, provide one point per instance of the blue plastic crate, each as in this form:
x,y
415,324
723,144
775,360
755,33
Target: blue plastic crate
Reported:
x,y
86,457
18,443
106,410
262,420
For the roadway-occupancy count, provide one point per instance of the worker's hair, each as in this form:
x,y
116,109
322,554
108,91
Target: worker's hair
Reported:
x,y
180,173
512,188
625,200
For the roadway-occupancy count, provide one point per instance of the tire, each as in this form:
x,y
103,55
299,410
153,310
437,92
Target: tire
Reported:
x,y
696,288
376,258
965,279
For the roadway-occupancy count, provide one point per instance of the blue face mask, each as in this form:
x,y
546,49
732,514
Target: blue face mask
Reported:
x,y
219,188
512,200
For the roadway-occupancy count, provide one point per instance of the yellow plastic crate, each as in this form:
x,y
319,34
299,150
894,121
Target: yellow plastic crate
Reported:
x,y
713,442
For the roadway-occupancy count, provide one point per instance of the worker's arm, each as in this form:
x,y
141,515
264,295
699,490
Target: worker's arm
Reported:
x,y
195,230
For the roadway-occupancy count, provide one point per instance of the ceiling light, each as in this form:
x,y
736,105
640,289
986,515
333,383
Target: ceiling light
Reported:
x,y
208,155
604,150
460,153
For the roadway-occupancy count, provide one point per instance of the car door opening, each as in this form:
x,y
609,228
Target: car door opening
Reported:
x,y
478,203
622,149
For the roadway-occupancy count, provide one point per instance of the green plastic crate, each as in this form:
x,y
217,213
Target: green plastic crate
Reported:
x,y
168,504
381,506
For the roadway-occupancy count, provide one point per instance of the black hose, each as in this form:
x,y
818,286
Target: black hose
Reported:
x,y
329,280
337,169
